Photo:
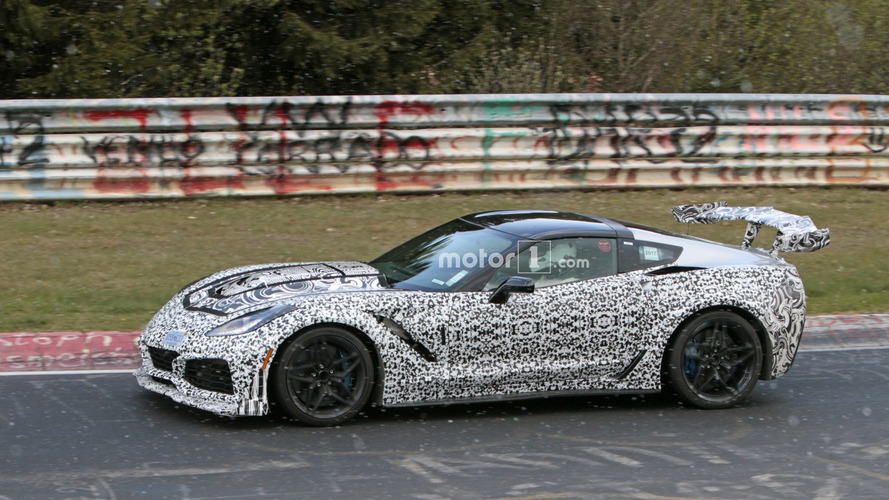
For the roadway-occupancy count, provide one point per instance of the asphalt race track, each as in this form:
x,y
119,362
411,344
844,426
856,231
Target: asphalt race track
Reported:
x,y
822,432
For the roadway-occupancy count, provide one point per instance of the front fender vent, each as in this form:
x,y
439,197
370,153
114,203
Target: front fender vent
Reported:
x,y
401,333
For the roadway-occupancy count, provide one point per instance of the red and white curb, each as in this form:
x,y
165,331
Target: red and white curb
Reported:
x,y
65,351
102,351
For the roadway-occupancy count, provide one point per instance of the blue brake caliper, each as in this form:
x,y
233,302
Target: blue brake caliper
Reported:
x,y
349,381
691,366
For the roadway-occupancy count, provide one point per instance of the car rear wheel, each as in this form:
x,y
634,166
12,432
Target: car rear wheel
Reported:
x,y
323,377
715,360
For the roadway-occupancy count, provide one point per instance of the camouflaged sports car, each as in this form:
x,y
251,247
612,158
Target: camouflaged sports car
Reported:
x,y
493,305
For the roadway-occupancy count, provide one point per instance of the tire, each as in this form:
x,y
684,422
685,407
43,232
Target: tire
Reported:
x,y
714,361
323,377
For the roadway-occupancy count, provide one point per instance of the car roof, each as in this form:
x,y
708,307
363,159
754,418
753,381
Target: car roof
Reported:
x,y
546,224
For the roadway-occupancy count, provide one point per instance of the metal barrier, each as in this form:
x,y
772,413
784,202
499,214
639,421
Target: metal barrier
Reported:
x,y
181,147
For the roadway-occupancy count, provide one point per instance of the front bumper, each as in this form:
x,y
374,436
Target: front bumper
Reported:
x,y
203,383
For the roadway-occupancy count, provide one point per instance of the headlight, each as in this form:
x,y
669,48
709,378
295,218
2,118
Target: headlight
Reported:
x,y
250,322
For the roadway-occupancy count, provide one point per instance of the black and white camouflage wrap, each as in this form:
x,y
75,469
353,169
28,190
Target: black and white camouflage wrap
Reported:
x,y
599,335
696,214
244,291
795,233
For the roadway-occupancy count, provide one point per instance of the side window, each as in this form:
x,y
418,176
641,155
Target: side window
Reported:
x,y
553,262
637,254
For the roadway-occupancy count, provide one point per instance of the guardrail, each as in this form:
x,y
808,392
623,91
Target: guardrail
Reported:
x,y
181,147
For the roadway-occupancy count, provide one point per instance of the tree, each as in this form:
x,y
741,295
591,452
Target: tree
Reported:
x,y
145,48
20,42
100,51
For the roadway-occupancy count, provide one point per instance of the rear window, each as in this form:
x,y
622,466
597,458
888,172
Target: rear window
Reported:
x,y
636,254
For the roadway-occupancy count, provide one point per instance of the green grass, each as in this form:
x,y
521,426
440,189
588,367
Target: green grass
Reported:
x,y
110,266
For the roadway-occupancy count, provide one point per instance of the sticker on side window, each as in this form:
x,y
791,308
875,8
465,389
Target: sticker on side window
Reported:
x,y
650,253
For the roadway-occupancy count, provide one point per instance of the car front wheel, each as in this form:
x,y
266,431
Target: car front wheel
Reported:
x,y
715,360
323,377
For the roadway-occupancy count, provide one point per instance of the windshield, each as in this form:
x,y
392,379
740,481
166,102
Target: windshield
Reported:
x,y
446,258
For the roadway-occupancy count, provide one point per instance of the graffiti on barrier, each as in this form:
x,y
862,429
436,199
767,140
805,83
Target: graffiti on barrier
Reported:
x,y
285,115
154,150
33,153
386,147
611,113
282,145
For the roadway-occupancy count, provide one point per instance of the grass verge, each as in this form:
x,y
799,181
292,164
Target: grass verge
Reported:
x,y
110,266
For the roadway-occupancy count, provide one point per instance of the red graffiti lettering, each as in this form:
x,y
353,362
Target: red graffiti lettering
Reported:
x,y
127,185
140,115
388,109
193,186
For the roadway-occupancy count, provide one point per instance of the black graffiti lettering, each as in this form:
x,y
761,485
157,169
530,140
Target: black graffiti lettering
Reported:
x,y
270,152
192,148
563,113
138,151
166,151
623,139
876,140
278,114
704,140
586,146
327,146
25,123
155,150
700,142
610,111
639,113
360,148
558,140
107,151
676,141
4,150
32,154
238,112
415,143
627,113
704,113
555,138
344,111
161,150
297,150
278,151
697,113
675,113
274,109
242,146
324,110
388,139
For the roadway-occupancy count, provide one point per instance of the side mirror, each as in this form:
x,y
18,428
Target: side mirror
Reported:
x,y
515,284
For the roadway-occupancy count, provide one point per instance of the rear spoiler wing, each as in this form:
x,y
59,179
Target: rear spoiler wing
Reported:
x,y
795,233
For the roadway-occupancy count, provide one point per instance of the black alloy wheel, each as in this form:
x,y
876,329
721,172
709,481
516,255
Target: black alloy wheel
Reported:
x,y
323,377
715,360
